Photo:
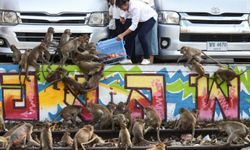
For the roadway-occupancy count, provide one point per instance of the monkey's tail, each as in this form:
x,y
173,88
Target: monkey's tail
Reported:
x,y
219,64
82,144
26,72
75,144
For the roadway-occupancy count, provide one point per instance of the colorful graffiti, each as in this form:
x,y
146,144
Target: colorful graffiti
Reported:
x,y
166,88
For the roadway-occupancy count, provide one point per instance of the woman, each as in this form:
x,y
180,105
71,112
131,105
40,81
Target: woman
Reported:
x,y
143,19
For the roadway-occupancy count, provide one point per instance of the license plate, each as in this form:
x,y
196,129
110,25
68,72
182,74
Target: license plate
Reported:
x,y
217,46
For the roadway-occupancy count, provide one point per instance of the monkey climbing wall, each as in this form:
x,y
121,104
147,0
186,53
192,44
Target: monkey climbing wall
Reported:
x,y
165,87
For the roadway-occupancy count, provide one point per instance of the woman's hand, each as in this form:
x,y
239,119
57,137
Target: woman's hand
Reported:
x,y
119,37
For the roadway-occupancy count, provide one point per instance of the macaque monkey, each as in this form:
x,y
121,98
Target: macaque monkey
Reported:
x,y
23,63
102,117
91,48
118,120
235,130
9,133
66,140
71,46
93,81
121,108
34,55
196,66
186,121
16,56
69,113
86,56
152,120
35,137
65,37
90,68
20,136
111,107
160,146
124,137
83,135
96,140
190,53
2,123
54,75
48,39
138,132
4,141
46,137
226,75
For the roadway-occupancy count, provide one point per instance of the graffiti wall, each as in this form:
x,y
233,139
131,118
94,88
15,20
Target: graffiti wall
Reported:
x,y
167,88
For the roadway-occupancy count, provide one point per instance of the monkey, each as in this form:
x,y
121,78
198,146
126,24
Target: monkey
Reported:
x,y
20,135
124,137
16,56
121,108
186,121
35,137
226,75
23,64
86,56
65,37
160,146
66,140
111,107
118,120
69,113
54,75
94,141
83,135
48,39
102,117
89,68
46,137
8,133
92,82
138,133
2,123
192,53
4,141
196,66
235,130
152,120
71,46
34,55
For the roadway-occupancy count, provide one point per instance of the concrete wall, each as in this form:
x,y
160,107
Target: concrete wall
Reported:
x,y
165,87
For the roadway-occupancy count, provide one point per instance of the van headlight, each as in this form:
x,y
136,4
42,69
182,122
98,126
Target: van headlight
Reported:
x,y
9,17
168,17
98,19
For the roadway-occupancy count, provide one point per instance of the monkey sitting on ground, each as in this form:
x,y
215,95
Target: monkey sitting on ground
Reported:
x,y
71,46
16,56
66,140
190,53
82,136
186,121
46,137
138,133
226,75
152,120
124,137
69,113
20,136
102,117
54,75
160,146
235,130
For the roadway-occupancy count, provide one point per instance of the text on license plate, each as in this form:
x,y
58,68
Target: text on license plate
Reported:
x,y
217,46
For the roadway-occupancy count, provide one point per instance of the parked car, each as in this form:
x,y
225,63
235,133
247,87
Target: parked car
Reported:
x,y
25,22
221,28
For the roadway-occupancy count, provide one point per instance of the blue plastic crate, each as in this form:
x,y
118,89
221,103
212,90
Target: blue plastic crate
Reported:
x,y
112,46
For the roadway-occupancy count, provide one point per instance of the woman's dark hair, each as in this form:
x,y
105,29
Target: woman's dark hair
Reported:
x,y
119,3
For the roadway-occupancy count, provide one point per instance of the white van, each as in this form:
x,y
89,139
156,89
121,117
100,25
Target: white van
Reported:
x,y
25,22
219,27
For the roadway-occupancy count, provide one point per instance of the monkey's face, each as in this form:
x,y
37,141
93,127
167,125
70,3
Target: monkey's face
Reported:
x,y
12,47
43,46
51,30
67,31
